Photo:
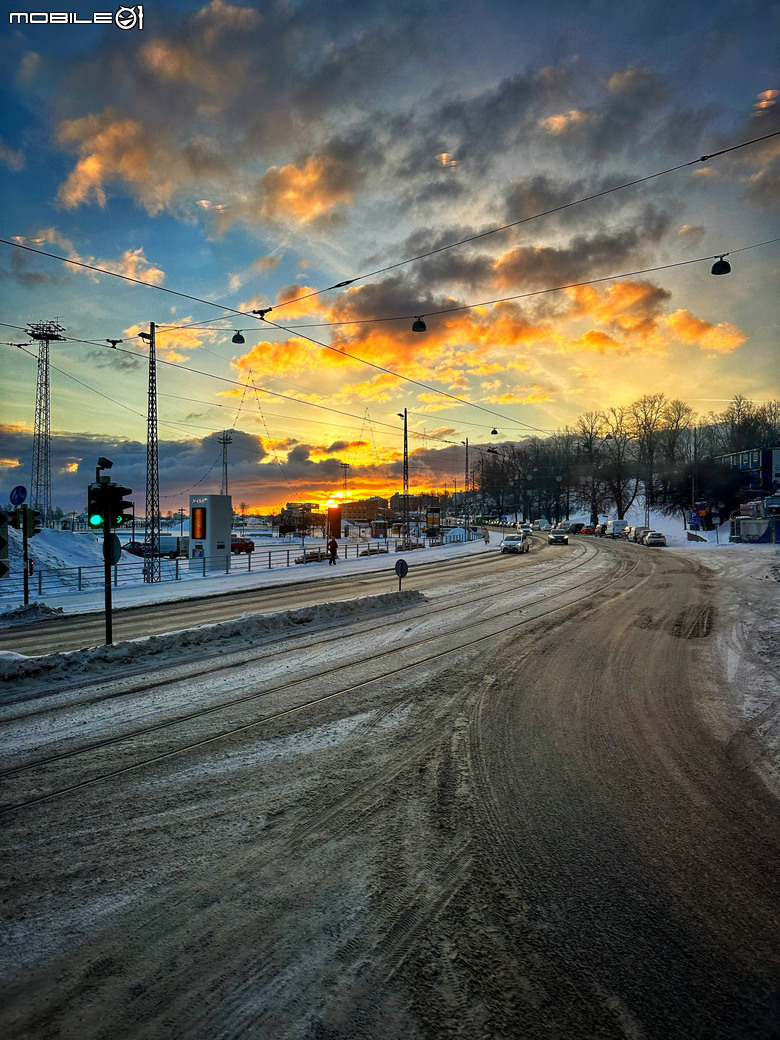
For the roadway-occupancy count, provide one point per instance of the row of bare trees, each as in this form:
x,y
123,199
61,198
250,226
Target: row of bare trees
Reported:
x,y
656,451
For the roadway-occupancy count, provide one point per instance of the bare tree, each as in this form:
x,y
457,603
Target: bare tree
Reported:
x,y
648,419
621,476
590,434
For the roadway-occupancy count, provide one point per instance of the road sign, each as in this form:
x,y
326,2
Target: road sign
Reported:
x,y
401,569
18,495
112,549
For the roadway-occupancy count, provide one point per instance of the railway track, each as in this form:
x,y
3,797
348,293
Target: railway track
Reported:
x,y
116,686
281,700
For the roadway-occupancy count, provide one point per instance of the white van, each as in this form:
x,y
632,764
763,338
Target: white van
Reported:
x,y
615,528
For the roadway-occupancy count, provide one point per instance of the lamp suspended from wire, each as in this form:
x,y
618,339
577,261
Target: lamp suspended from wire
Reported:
x,y
494,431
419,325
721,267
238,338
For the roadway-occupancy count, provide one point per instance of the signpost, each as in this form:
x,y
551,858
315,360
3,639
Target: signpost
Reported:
x,y
401,569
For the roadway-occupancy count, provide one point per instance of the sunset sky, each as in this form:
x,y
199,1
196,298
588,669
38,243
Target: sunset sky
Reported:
x,y
251,154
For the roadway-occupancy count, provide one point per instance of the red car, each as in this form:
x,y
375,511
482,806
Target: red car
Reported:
x,y
242,545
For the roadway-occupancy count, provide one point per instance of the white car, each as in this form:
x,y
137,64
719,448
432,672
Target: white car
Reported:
x,y
654,538
515,543
525,528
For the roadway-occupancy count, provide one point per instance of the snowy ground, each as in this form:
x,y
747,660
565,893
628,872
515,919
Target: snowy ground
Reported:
x,y
65,549
747,578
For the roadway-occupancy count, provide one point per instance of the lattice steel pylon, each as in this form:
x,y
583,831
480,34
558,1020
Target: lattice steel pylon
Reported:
x,y
224,440
40,481
152,533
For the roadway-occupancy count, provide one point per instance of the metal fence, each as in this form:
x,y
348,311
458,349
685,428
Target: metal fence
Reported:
x,y
131,570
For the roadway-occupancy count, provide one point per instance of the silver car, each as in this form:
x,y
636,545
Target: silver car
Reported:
x,y
515,543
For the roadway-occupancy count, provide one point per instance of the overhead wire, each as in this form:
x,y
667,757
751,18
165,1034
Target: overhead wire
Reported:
x,y
295,329
525,220
413,259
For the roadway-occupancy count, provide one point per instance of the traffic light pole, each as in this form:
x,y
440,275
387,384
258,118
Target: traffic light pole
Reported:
x,y
107,559
25,563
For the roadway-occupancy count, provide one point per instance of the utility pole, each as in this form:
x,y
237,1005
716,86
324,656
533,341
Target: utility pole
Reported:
x,y
43,332
466,484
406,480
345,466
152,535
224,440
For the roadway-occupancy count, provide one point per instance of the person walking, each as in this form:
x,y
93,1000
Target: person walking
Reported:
x,y
333,551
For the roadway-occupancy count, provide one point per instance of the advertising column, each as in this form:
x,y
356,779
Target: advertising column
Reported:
x,y
211,518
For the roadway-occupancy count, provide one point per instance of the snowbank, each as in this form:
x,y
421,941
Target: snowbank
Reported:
x,y
248,629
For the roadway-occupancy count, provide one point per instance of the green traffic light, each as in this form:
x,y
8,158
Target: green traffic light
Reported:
x,y
95,520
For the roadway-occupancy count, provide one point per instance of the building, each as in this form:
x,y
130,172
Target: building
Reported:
x,y
301,518
417,505
364,511
759,470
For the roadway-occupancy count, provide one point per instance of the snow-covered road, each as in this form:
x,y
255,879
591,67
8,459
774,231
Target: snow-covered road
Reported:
x,y
460,811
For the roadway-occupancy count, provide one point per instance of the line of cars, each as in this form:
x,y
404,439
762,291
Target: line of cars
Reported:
x,y
631,533
520,541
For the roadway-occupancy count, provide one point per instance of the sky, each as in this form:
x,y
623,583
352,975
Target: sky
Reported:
x,y
236,157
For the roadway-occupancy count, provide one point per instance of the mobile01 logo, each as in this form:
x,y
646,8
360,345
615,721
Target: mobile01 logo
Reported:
x,y
122,18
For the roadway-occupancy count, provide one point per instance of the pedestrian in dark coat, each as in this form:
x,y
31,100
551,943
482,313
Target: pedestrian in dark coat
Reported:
x,y
333,551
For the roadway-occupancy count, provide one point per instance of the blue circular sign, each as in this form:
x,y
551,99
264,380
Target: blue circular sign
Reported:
x,y
401,568
18,495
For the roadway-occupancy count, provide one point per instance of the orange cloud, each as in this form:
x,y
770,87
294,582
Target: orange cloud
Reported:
x,y
520,395
112,148
595,340
563,124
722,338
303,193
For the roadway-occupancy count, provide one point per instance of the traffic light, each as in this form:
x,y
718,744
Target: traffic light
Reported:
x,y
96,505
32,522
121,510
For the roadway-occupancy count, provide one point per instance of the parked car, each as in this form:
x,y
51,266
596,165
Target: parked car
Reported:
x,y
615,528
241,545
138,549
654,538
516,543
557,538
587,529
639,533
576,528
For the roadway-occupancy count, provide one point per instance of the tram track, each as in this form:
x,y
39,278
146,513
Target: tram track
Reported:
x,y
241,658
624,568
